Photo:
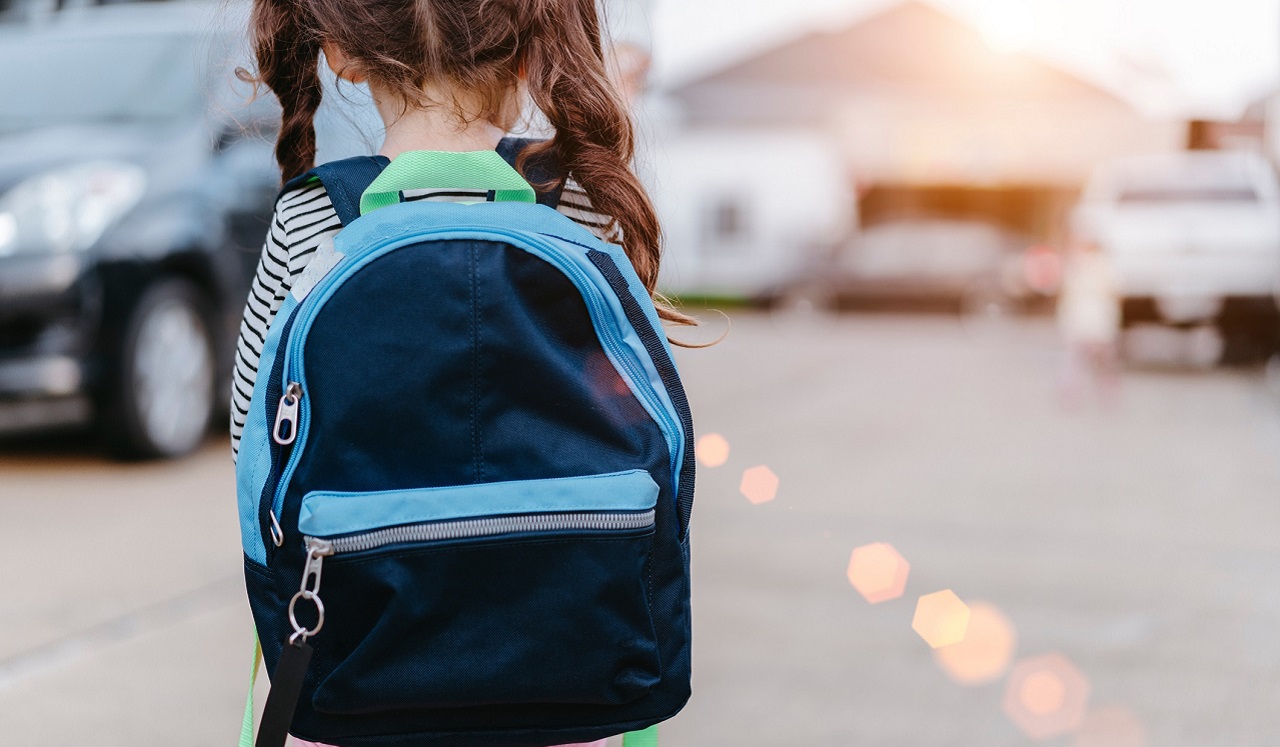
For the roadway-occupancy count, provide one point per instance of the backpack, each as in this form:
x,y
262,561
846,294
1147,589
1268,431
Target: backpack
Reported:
x,y
466,477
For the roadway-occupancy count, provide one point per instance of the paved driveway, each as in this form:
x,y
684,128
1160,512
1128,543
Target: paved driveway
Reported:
x,y
1141,545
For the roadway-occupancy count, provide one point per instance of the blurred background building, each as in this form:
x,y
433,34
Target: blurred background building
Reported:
x,y
928,117
923,119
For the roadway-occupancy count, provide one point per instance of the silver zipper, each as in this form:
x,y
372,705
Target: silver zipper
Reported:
x,y
487,526
287,413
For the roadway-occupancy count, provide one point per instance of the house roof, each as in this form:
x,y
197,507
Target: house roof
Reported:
x,y
911,46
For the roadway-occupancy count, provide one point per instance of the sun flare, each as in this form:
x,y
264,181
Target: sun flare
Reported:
x,y
1009,27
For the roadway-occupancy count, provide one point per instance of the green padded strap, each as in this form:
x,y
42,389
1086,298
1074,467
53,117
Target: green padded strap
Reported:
x,y
645,738
246,726
433,169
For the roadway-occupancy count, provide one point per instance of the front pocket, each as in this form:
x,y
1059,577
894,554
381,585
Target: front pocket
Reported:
x,y
488,594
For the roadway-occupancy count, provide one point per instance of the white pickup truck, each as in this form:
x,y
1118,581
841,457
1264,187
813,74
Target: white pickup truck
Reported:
x,y
1193,237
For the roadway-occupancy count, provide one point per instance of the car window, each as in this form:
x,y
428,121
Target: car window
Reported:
x,y
927,247
79,80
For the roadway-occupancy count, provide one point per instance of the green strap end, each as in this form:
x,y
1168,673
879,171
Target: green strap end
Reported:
x,y
246,725
482,170
646,738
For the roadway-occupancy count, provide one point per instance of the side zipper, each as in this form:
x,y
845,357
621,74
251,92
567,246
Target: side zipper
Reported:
x,y
661,357
268,517
284,433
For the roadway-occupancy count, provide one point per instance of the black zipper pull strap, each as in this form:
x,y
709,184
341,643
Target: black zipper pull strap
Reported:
x,y
286,687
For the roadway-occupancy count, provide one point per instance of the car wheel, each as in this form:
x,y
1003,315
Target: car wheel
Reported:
x,y
162,396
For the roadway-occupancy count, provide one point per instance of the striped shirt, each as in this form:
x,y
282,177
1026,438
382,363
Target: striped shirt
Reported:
x,y
304,218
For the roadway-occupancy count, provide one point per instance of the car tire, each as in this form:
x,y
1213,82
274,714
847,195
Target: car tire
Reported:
x,y
162,393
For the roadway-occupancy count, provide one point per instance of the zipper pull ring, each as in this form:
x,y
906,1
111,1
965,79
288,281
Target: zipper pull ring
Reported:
x,y
286,427
309,590
277,534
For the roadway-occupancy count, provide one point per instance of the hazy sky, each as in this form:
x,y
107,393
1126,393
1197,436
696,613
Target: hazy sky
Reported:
x,y
1171,57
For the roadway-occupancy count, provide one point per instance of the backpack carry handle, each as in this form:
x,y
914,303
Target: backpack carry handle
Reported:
x,y
431,169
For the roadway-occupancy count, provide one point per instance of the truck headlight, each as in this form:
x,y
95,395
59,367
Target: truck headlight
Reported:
x,y
69,208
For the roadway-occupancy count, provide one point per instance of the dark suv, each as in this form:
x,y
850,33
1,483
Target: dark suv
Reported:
x,y
135,190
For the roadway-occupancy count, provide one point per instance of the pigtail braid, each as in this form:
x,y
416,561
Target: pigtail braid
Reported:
x,y
594,138
288,53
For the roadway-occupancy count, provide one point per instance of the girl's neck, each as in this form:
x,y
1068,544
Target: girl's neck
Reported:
x,y
434,128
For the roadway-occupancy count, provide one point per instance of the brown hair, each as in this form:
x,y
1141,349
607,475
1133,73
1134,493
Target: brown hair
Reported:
x,y
481,48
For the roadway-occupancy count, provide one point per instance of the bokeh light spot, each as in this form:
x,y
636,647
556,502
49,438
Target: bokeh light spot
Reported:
x,y
1043,692
603,378
878,572
1046,696
759,484
987,648
712,450
941,618
1111,726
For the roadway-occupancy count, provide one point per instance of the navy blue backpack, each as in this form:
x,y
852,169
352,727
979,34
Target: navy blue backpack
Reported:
x,y
466,477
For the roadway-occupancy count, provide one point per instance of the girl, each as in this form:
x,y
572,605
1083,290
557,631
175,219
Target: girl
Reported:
x,y
446,75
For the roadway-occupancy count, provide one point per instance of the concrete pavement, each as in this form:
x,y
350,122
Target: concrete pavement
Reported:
x,y
1139,543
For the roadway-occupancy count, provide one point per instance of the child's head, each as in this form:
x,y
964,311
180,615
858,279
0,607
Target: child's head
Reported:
x,y
477,58
463,57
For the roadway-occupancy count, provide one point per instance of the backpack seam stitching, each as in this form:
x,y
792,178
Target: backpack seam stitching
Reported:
x,y
477,459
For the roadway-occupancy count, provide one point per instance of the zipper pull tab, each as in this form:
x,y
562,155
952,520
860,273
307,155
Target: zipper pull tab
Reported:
x,y
286,427
317,551
309,589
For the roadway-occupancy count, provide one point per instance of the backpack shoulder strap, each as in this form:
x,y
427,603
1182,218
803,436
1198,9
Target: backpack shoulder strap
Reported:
x,y
345,181
540,170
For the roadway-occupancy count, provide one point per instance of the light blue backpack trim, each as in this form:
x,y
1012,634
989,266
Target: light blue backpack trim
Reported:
x,y
329,514
253,465
397,226
634,285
